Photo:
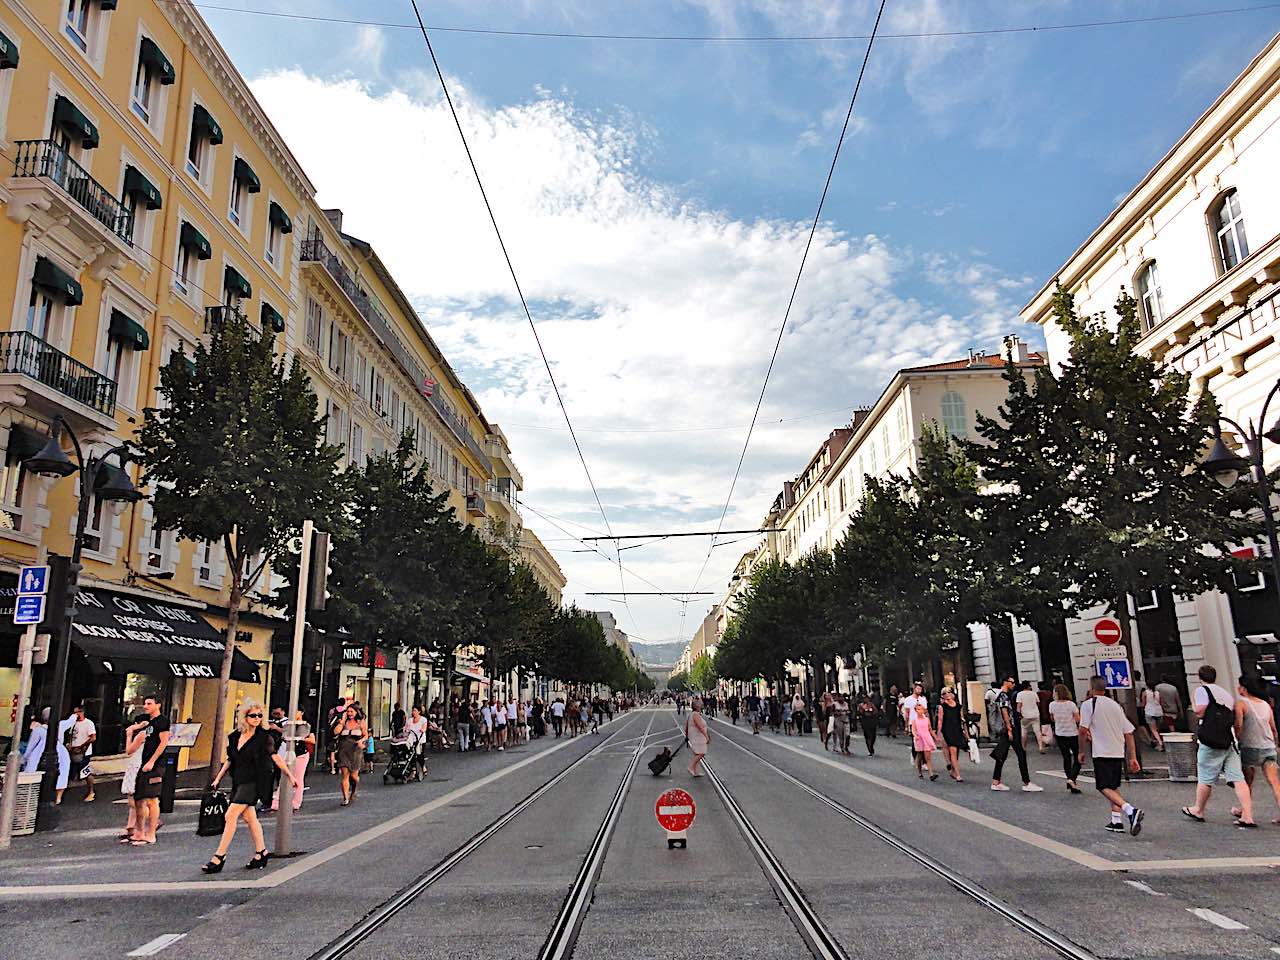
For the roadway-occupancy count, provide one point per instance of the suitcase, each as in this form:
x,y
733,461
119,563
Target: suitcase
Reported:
x,y
662,761
213,814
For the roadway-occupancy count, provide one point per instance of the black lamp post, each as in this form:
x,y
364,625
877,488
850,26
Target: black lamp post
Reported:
x,y
117,490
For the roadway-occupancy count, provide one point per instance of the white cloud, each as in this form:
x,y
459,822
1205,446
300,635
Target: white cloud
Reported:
x,y
654,311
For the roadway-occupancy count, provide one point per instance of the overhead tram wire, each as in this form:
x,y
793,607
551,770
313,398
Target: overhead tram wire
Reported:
x,y
795,287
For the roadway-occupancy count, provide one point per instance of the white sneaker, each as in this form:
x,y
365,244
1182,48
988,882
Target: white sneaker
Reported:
x,y
1032,788
1000,787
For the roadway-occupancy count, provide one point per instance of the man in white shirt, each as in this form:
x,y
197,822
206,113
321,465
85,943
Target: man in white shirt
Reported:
x,y
908,706
1029,712
1107,730
1215,760
486,721
82,734
557,716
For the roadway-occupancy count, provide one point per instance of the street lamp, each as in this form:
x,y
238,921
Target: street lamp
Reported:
x,y
118,491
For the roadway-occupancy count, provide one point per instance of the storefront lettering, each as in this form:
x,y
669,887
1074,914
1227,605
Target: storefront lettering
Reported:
x,y
1226,340
143,636
196,670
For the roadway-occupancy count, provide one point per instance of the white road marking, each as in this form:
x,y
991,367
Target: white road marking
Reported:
x,y
1217,919
1139,885
152,947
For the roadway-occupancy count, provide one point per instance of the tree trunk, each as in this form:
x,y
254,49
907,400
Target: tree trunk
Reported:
x,y
217,750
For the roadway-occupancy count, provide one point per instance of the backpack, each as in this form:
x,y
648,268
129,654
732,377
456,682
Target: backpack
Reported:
x,y
1217,726
995,716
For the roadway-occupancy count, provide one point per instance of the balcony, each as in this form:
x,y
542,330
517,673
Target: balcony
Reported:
x,y
501,458
475,505
215,318
48,183
27,361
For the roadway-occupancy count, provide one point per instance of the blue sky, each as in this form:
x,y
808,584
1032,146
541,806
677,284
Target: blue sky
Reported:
x,y
656,195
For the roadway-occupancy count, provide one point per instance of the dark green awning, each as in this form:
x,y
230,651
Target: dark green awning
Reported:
x,y
51,277
67,116
280,218
128,331
244,173
25,443
233,280
203,123
106,473
137,185
153,57
8,53
180,356
271,318
193,239
107,4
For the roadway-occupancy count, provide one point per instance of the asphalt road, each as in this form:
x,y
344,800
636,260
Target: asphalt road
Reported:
x,y
1177,891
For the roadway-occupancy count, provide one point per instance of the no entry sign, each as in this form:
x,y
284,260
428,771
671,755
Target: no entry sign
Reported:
x,y
1107,631
675,810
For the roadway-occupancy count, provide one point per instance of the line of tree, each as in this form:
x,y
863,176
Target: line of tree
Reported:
x,y
1083,491
236,454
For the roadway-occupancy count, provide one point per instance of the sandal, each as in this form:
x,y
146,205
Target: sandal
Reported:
x,y
1246,824
1186,812
138,842
259,860
215,864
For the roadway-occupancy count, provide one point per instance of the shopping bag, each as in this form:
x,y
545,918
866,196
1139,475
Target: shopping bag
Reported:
x,y
974,755
213,814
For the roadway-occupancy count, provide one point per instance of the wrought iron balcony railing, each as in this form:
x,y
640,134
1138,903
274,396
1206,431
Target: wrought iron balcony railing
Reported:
x,y
24,353
47,159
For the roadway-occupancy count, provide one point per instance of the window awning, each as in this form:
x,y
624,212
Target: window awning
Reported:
x,y
67,116
271,318
472,675
57,282
24,442
128,331
202,123
154,58
137,185
280,218
8,53
193,239
244,173
107,4
181,356
121,633
233,281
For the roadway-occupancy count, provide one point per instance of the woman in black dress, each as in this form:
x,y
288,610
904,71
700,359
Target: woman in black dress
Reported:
x,y
869,720
250,756
951,725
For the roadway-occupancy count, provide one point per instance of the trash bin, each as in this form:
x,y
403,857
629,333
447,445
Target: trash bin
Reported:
x,y
24,809
1180,751
169,783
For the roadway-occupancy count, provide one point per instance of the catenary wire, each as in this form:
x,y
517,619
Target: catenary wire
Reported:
x,y
786,317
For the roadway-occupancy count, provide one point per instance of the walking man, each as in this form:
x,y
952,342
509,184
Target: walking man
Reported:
x,y
1007,729
146,795
1108,731
83,733
1217,753
557,716
753,710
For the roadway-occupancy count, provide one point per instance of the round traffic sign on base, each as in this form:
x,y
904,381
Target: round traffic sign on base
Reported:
x,y
675,811
1107,631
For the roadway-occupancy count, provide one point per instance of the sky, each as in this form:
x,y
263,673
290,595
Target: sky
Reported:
x,y
655,197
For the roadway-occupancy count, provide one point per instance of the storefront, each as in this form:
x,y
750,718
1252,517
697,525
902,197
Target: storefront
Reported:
x,y
468,678
376,697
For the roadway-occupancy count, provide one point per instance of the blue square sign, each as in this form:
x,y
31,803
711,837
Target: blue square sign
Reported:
x,y
28,608
33,580
1116,674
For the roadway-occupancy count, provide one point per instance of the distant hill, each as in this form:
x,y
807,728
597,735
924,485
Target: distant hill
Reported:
x,y
658,653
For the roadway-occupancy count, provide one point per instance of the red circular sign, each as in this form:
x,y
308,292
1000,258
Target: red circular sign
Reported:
x,y
1107,631
675,810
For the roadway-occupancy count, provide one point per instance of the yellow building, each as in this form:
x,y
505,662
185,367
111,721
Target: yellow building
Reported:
x,y
545,568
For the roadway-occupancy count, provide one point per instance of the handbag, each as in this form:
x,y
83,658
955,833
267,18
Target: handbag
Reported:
x,y
974,754
213,814
831,724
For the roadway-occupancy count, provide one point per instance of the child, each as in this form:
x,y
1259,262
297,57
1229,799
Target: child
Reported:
x,y
368,754
922,732
786,718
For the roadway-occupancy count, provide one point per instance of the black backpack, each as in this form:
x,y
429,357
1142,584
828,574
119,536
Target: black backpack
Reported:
x,y
1217,726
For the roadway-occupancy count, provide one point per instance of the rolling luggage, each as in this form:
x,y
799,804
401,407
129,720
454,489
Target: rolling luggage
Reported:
x,y
662,761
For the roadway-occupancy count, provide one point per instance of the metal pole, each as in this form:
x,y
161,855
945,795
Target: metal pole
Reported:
x,y
284,817
26,654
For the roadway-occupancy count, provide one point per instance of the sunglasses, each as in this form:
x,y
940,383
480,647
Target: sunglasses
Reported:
x,y
253,716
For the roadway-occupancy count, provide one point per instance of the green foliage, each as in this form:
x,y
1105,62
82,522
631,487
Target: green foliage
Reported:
x,y
679,682
702,675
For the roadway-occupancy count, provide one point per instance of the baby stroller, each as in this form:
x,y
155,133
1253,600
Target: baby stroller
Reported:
x,y
406,761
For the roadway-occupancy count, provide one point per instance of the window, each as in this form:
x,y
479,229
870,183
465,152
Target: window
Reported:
x,y
13,481
376,386
205,135
182,270
193,249
93,529
884,442
315,317
1147,600
40,311
871,459
278,224
125,338
159,553
237,202
141,197
235,288
53,293
154,72
80,21
244,182
359,376
206,561
1149,298
338,344
357,443
902,426
1228,224
954,418
336,424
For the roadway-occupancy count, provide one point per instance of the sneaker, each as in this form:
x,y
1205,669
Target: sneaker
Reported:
x,y
1114,827
1032,788
1135,822
999,787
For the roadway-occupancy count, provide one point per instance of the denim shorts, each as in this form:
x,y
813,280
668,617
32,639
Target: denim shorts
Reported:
x,y
1210,762
1257,756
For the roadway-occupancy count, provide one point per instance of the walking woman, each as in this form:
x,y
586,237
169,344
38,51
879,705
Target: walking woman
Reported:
x,y
922,738
1153,716
825,718
249,758
951,726
299,754
351,735
1066,730
869,719
1256,734
695,732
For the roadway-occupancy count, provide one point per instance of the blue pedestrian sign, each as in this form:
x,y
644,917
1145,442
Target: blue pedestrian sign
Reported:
x,y
33,580
1116,673
28,608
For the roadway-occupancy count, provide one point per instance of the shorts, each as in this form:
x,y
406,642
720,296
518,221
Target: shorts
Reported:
x,y
1257,756
1211,761
1107,773
148,785
246,793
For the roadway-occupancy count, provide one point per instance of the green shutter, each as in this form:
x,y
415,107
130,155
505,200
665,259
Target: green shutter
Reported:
x,y
154,58
67,116
271,318
202,122
8,53
193,239
128,331
233,280
137,185
244,173
56,281
280,218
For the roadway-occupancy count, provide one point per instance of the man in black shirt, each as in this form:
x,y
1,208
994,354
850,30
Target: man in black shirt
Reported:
x,y
147,791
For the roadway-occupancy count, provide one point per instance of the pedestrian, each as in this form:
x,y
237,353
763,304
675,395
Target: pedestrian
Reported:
x,y
733,705
1029,712
331,721
1110,737
753,711
840,728
1044,697
1217,754
146,792
1066,733
951,728
297,753
486,724
350,734
826,718
1171,700
798,712
696,735
37,737
557,716
1008,733
513,714
1152,716
537,718
522,722
922,741
499,714
786,718
462,719
250,759
64,757
892,717
398,720
80,740
134,737
370,748
275,729
1256,731
869,718
907,707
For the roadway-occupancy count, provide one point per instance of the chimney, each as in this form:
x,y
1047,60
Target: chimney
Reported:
x,y
334,217
859,414
1013,348
976,356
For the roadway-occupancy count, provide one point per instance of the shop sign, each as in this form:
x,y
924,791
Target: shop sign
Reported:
x,y
364,655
